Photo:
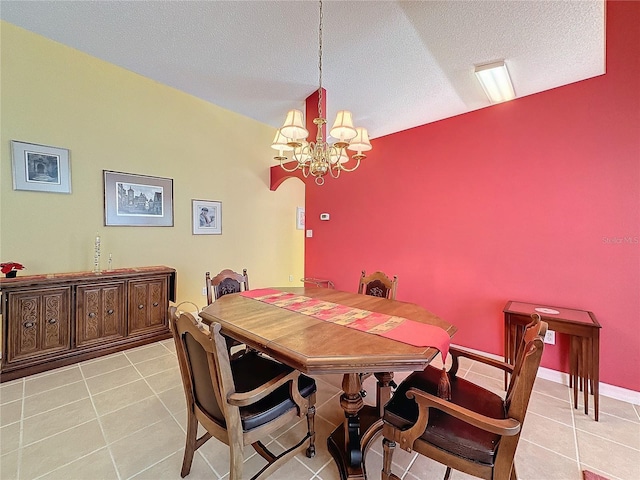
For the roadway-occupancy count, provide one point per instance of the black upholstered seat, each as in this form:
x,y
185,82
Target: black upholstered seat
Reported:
x,y
238,400
444,431
474,430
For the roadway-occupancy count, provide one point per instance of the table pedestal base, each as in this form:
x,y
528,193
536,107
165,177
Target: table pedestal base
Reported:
x,y
351,463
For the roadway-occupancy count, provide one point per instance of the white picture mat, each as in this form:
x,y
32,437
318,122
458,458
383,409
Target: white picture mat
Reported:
x,y
40,168
206,217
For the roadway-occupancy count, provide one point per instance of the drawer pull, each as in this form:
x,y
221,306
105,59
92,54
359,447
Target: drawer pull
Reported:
x,y
110,311
52,321
155,304
92,315
140,307
29,324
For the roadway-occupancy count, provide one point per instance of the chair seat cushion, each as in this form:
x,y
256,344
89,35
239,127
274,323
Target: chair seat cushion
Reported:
x,y
443,430
252,370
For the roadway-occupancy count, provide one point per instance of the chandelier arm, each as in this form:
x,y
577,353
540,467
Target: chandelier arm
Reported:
x,y
282,165
342,167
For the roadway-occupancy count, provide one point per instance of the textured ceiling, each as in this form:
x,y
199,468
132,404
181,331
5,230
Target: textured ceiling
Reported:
x,y
395,64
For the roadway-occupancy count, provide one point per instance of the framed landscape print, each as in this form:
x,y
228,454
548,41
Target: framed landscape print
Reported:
x,y
137,200
40,168
207,217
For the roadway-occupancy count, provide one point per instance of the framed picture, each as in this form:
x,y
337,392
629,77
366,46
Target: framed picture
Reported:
x,y
207,217
137,200
40,168
300,218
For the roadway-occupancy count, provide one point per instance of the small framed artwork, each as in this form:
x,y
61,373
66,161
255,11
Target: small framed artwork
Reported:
x,y
207,217
137,200
40,168
300,218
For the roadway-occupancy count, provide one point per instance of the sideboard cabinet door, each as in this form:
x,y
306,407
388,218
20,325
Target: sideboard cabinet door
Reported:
x,y
38,323
147,305
99,313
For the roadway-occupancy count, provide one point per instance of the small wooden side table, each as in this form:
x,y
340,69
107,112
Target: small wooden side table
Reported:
x,y
584,352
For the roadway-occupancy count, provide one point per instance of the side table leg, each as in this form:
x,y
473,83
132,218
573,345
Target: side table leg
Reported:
x,y
573,368
595,372
585,372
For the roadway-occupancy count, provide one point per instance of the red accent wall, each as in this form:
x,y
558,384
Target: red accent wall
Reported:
x,y
537,199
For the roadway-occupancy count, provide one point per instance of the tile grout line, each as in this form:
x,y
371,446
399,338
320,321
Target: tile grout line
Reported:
x,y
152,465
171,413
104,437
144,378
72,461
574,429
21,436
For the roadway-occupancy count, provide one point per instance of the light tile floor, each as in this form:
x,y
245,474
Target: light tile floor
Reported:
x,y
123,417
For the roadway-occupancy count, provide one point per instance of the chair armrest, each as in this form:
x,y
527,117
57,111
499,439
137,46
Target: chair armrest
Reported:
x,y
247,398
457,352
499,426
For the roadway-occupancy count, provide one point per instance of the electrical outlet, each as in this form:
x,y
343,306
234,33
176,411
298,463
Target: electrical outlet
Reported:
x,y
550,337
204,291
291,278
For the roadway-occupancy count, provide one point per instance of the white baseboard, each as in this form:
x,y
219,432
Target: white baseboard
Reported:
x,y
611,391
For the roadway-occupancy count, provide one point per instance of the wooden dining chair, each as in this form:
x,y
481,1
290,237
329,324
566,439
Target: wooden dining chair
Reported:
x,y
477,431
378,285
227,281
239,401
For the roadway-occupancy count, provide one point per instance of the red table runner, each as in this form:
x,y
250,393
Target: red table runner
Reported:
x,y
387,326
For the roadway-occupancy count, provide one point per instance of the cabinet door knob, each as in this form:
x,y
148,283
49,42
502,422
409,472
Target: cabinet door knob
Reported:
x,y
140,307
29,324
110,311
155,304
52,321
92,315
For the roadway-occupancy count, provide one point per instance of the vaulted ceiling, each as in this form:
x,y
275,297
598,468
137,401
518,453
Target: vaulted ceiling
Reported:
x,y
394,64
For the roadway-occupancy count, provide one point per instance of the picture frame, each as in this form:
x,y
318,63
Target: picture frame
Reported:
x,y
40,168
300,218
137,200
206,217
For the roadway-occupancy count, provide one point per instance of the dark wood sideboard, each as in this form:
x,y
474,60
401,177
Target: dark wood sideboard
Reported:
x,y
53,320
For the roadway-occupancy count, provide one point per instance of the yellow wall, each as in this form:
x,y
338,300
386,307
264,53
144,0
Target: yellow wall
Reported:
x,y
112,119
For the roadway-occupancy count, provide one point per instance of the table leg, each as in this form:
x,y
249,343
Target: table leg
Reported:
x,y
344,443
383,393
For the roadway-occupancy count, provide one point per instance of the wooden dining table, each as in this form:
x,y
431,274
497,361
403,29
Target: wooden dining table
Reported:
x,y
315,347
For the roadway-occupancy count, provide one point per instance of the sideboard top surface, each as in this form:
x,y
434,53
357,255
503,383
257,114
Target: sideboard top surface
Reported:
x,y
73,277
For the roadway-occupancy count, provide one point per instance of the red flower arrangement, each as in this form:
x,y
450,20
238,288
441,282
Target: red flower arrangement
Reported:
x,y
10,267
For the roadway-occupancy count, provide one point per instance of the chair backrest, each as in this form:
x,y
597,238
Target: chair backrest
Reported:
x,y
531,331
227,281
378,285
205,367
520,387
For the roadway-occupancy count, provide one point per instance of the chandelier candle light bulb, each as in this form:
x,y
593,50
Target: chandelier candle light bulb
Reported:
x,y
320,157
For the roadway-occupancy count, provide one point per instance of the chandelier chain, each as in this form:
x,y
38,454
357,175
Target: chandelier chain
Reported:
x,y
321,157
320,64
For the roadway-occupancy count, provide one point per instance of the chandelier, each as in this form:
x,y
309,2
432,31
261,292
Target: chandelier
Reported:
x,y
321,157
